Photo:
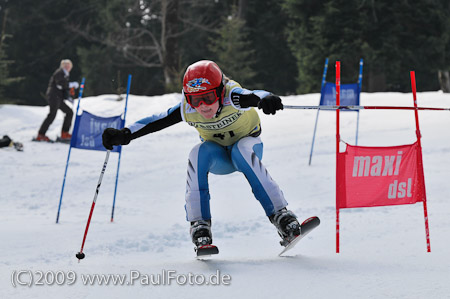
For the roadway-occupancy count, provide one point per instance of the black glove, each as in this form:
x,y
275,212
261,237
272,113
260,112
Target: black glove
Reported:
x,y
113,136
270,104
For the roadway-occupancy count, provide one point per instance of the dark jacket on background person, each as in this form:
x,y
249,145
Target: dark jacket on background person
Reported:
x,y
57,91
58,86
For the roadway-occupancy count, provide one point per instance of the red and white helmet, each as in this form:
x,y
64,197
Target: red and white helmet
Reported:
x,y
203,83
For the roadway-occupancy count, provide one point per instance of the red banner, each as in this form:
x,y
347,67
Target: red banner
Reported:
x,y
380,176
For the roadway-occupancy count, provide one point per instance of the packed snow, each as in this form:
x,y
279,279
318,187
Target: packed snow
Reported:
x,y
383,250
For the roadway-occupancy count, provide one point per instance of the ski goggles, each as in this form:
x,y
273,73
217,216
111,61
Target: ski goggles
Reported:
x,y
207,98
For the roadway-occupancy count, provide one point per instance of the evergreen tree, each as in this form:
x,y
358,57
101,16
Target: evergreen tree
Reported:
x,y
444,67
5,78
233,51
96,66
3,74
274,63
322,29
38,42
393,37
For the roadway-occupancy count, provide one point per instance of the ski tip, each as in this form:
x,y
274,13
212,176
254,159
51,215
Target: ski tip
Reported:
x,y
61,140
314,218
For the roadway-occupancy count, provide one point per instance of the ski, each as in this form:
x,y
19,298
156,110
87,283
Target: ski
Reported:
x,y
59,139
49,141
305,228
206,250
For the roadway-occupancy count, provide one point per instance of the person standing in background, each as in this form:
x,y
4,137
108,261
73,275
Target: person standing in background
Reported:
x,y
57,91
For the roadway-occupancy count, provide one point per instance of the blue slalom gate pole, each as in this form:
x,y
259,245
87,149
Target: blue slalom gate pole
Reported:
x,y
120,151
80,94
324,77
361,62
359,100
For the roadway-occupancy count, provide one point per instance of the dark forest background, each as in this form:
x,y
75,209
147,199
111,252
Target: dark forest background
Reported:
x,y
277,45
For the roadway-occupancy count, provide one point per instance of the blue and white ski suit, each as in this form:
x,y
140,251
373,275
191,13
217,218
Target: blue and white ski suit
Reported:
x,y
230,142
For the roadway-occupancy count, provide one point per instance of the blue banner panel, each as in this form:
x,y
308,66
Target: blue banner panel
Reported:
x,y
349,94
88,130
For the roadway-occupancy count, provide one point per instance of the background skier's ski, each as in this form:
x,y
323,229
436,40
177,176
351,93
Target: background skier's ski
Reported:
x,y
59,139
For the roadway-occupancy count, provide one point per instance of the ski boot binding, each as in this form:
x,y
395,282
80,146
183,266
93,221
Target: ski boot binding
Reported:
x,y
287,225
201,232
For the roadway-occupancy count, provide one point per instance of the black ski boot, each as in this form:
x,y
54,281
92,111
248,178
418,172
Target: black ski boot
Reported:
x,y
287,224
201,232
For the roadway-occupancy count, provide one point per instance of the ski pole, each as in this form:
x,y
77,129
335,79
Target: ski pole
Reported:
x,y
363,108
80,255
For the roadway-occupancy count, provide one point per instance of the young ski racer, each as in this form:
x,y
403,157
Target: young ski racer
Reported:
x,y
229,127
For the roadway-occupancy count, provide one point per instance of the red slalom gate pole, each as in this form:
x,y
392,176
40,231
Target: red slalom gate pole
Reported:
x,y
338,139
419,159
80,255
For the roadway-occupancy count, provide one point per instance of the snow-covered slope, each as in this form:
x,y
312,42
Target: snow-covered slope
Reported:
x,y
383,250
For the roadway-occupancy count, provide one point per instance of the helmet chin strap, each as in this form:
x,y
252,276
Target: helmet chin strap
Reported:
x,y
219,109
222,96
